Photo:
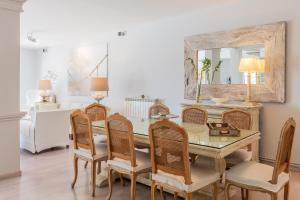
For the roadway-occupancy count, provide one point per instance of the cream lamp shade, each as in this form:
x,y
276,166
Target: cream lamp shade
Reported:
x,y
45,85
250,65
99,84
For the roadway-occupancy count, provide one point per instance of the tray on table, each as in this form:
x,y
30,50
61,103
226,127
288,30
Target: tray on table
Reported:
x,y
223,129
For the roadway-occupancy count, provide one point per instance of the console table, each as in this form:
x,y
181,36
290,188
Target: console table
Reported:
x,y
215,110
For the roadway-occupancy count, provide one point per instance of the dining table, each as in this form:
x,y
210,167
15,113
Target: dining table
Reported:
x,y
200,142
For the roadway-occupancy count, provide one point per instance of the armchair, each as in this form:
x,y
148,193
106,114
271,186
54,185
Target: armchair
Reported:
x,y
41,130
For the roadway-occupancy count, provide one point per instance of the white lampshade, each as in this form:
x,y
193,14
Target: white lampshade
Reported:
x,y
99,84
45,85
250,65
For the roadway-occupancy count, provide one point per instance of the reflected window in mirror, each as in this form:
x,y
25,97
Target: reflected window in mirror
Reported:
x,y
221,65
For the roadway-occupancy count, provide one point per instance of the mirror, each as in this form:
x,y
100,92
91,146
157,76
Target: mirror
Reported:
x,y
262,50
225,62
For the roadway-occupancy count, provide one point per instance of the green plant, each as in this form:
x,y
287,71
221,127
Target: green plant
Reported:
x,y
206,69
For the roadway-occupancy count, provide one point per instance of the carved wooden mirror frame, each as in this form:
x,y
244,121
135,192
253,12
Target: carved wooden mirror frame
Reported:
x,y
273,36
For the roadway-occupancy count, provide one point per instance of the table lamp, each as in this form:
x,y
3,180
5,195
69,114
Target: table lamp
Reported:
x,y
98,85
44,87
249,65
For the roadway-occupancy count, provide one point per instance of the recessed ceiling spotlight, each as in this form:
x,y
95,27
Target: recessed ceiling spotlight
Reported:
x,y
31,38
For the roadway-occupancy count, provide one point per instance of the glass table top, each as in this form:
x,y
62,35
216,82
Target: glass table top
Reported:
x,y
198,134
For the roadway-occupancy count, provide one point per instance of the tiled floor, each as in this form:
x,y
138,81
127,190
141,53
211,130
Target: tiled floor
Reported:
x,y
48,176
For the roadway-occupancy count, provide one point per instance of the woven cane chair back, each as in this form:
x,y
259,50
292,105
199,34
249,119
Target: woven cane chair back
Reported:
x,y
96,112
238,118
120,138
82,131
169,149
194,115
284,149
158,108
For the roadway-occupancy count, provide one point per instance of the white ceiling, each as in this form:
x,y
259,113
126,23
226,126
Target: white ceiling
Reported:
x,y
56,21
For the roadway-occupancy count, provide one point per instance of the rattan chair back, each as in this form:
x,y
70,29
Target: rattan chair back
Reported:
x,y
169,149
158,108
284,149
194,115
82,131
96,112
120,138
238,118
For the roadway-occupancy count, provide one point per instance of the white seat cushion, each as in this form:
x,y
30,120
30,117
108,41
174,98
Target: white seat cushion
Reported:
x,y
101,152
239,156
256,174
201,174
100,139
142,162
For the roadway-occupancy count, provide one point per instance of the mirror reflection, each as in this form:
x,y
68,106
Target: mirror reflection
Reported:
x,y
232,65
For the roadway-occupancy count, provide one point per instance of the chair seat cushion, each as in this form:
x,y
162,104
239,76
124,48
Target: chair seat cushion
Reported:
x,y
101,152
239,156
100,139
257,175
201,174
142,163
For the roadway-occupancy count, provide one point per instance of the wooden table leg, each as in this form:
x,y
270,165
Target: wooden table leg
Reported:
x,y
102,178
220,166
254,147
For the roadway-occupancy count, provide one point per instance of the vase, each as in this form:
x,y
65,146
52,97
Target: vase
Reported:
x,y
198,93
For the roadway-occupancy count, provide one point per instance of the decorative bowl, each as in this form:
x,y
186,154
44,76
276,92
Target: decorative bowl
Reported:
x,y
219,101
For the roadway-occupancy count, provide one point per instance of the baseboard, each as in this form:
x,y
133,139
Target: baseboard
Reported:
x,y
293,166
10,175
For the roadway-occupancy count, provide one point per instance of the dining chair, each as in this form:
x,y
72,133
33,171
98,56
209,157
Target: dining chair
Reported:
x,y
96,112
241,120
171,168
158,108
264,178
84,146
195,115
122,156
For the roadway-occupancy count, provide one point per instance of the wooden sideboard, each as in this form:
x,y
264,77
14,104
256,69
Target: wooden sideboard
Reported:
x,y
215,110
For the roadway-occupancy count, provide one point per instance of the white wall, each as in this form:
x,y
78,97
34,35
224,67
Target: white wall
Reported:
x,y
29,72
9,88
149,60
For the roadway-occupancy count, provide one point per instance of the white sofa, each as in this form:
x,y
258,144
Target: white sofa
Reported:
x,y
41,130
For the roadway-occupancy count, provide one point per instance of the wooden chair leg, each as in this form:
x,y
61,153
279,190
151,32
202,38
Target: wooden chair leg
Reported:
x,y
193,158
86,164
93,176
243,194
227,189
109,184
99,167
162,194
286,191
75,171
215,191
175,195
153,191
133,186
274,196
122,179
247,194
187,196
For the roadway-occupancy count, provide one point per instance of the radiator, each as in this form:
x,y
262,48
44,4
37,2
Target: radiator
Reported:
x,y
138,107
